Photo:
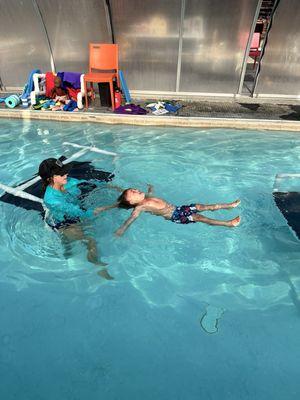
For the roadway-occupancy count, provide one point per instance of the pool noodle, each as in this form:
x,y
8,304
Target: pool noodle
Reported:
x,y
124,87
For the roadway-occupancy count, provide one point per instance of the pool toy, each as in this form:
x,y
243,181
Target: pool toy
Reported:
x,y
12,101
29,194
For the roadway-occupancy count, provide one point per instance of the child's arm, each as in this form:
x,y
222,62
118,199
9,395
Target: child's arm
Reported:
x,y
104,208
150,190
135,213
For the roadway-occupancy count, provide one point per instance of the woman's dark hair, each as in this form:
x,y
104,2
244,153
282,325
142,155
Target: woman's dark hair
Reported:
x,y
45,182
50,167
123,202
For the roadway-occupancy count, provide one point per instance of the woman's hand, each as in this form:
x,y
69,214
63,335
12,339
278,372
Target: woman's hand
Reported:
x,y
150,189
97,210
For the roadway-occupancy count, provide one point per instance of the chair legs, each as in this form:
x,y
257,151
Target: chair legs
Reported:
x,y
118,81
111,87
85,95
93,95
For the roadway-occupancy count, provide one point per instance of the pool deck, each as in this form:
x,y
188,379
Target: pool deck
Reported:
x,y
244,113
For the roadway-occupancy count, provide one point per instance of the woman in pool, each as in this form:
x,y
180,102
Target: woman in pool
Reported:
x,y
62,199
145,202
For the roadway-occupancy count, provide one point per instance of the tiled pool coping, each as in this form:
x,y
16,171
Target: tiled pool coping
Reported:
x,y
151,120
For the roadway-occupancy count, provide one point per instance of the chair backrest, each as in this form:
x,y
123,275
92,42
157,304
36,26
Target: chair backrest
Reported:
x,y
255,41
103,56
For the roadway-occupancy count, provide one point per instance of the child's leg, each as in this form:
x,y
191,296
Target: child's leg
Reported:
x,y
56,108
230,223
213,207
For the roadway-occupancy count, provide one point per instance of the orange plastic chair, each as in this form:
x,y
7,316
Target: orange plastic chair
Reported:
x,y
104,58
254,49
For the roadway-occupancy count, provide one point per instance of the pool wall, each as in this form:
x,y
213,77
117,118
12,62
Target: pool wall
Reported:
x,y
150,120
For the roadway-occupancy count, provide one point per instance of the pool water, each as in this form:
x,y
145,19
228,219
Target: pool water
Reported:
x,y
193,312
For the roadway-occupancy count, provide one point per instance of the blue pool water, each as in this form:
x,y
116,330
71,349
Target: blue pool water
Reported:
x,y
194,312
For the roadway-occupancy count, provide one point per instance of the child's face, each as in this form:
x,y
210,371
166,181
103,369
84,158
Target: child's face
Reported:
x,y
134,196
57,82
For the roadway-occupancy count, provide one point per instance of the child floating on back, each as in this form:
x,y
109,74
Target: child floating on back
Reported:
x,y
144,202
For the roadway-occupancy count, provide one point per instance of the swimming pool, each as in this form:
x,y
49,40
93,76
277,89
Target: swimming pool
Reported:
x,y
194,311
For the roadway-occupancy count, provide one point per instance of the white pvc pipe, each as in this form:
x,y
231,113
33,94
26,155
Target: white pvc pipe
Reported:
x,y
280,176
90,148
79,101
81,93
36,87
76,155
33,98
29,183
96,150
19,193
82,84
36,78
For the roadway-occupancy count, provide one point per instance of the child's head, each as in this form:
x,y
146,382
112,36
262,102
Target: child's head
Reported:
x,y
131,198
57,82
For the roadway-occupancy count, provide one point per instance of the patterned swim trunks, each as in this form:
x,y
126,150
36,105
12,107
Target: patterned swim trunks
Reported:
x,y
184,214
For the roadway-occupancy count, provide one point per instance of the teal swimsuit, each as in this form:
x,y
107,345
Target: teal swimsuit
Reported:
x,y
64,207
